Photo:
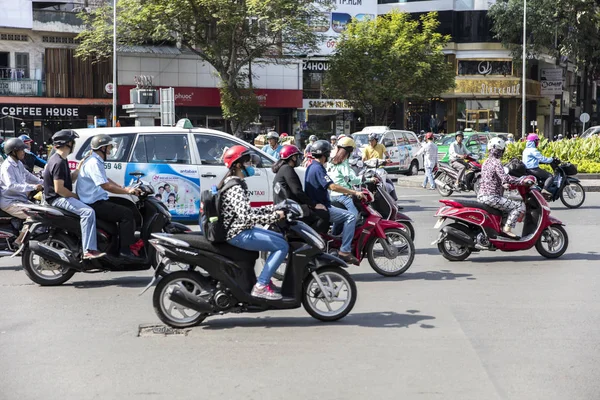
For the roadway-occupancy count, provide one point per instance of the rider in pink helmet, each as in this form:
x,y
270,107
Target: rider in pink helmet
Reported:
x,y
532,158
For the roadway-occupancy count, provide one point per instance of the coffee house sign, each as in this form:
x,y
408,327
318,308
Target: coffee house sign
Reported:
x,y
39,111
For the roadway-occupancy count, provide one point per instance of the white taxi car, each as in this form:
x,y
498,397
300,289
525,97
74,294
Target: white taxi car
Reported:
x,y
400,145
179,162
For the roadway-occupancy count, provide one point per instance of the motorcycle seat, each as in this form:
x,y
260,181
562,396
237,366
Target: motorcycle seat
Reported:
x,y
4,214
476,204
198,241
108,227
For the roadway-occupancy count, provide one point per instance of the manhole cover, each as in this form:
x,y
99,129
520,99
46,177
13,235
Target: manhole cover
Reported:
x,y
160,330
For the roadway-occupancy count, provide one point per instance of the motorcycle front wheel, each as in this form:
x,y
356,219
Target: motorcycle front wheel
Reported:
x,y
553,242
387,264
572,195
172,313
45,272
330,297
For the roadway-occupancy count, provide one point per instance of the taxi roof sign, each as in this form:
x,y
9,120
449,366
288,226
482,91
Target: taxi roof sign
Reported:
x,y
184,123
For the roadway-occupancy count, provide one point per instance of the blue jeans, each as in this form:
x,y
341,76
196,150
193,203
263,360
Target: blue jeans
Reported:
x,y
87,220
347,202
429,176
258,239
339,216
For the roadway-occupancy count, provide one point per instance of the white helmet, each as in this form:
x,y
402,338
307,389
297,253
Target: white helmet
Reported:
x,y
272,135
496,143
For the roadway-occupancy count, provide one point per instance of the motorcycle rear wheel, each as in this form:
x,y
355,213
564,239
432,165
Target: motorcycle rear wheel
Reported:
x,y
34,272
337,282
547,237
406,253
565,198
410,229
452,251
445,178
171,313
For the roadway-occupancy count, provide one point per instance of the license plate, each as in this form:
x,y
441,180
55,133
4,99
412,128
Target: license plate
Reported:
x,y
439,223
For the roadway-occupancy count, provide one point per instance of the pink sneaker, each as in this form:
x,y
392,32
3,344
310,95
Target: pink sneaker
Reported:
x,y
265,292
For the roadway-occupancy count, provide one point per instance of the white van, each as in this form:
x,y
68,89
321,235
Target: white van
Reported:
x,y
400,145
178,162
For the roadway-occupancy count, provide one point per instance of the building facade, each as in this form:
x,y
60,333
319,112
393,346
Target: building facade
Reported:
x,y
43,86
278,87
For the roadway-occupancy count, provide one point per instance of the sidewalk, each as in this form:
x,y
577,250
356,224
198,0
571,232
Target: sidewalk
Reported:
x,y
590,185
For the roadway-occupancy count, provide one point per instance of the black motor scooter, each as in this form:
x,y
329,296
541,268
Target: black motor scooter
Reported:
x,y
219,277
53,252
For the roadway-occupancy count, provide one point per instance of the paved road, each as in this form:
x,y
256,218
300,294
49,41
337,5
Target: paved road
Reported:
x,y
497,326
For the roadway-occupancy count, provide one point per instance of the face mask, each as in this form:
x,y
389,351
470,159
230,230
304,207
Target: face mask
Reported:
x,y
248,171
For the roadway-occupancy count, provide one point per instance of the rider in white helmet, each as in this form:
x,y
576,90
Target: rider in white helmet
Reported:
x,y
273,148
492,179
311,140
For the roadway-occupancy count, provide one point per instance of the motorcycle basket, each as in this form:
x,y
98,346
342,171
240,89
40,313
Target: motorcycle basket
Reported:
x,y
570,169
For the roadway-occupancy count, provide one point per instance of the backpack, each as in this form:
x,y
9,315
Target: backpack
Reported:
x,y
211,220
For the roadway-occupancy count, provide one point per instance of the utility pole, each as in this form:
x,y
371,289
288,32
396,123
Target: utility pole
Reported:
x,y
114,94
523,101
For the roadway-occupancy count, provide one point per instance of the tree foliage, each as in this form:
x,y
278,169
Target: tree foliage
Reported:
x,y
385,60
557,27
230,35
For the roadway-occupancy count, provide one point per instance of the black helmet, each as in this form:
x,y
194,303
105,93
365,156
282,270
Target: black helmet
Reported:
x,y
64,136
102,140
459,133
14,144
320,148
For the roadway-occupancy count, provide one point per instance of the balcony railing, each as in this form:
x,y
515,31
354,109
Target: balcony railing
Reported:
x,y
23,87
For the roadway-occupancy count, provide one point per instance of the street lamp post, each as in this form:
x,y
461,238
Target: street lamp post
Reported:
x,y
523,101
114,93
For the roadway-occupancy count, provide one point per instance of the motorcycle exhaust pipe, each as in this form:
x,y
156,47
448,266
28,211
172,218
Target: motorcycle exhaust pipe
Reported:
x,y
6,253
458,236
194,303
441,184
50,253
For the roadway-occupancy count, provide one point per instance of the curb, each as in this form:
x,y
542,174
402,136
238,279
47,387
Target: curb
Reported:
x,y
406,183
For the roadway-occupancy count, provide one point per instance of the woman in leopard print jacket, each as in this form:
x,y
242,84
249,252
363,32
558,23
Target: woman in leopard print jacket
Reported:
x,y
241,220
491,189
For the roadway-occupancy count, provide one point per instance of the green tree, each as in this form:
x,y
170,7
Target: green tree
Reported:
x,y
229,35
385,60
568,28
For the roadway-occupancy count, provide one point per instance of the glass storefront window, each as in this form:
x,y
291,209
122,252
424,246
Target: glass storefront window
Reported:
x,y
482,115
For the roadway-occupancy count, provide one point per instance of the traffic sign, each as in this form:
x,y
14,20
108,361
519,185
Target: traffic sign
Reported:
x,y
109,87
585,118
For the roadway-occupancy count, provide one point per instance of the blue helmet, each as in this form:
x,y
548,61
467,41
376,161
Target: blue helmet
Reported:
x,y
25,138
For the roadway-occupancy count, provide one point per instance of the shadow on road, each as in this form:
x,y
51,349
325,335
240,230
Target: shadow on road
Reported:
x,y
589,256
442,275
12,268
385,319
125,281
431,251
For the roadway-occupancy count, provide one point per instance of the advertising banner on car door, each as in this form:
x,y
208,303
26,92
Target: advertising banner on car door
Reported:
x,y
178,186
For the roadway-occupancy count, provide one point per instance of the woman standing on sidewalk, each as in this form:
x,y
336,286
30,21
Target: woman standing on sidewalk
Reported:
x,y
430,159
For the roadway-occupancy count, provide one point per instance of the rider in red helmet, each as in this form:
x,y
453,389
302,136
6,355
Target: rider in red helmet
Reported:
x,y
241,219
287,185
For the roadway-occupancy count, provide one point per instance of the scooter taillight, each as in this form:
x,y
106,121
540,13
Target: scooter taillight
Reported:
x,y
451,203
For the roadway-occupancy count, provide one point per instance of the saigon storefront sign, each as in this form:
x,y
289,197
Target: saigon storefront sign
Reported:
x,y
495,87
326,104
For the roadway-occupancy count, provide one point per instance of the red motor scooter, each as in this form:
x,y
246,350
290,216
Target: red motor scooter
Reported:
x,y
385,243
477,227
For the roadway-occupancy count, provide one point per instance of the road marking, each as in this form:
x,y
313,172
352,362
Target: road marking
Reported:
x,y
417,195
